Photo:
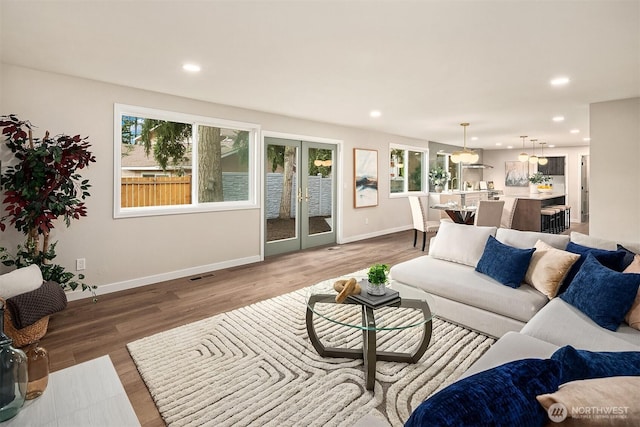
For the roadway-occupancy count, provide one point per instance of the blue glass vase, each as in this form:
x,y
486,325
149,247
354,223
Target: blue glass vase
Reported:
x,y
13,374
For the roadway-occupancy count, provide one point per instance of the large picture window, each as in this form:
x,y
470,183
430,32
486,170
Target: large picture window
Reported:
x,y
167,163
407,173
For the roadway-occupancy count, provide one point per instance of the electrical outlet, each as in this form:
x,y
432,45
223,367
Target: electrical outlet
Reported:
x,y
81,264
366,221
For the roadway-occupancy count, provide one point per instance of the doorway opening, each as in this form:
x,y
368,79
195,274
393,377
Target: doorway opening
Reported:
x,y
584,188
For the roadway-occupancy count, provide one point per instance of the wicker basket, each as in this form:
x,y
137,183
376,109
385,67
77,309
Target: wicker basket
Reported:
x,y
24,336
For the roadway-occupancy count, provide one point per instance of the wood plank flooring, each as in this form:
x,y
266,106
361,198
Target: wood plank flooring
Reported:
x,y
85,331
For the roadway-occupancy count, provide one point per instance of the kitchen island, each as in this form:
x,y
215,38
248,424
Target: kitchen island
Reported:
x,y
527,214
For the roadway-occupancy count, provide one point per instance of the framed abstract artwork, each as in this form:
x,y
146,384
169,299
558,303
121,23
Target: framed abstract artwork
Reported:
x,y
516,174
365,171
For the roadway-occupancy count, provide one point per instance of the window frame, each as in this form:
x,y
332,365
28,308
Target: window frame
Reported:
x,y
424,166
253,165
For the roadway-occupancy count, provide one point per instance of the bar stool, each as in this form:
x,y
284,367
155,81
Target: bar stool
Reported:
x,y
561,218
548,219
566,215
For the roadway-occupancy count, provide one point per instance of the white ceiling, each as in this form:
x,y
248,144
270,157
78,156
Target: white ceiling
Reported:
x,y
426,65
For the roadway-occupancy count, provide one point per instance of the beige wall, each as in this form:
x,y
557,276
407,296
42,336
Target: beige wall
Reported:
x,y
615,170
573,156
116,251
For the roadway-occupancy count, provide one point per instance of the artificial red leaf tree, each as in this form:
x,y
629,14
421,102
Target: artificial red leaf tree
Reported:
x,y
42,186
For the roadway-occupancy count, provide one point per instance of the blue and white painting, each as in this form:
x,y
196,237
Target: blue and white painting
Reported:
x,y
366,177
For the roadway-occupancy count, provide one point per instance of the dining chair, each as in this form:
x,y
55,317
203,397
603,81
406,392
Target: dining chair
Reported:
x,y
508,211
420,222
489,213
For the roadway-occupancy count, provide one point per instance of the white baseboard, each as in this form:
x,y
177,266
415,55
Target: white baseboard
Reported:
x,y
374,234
171,275
156,278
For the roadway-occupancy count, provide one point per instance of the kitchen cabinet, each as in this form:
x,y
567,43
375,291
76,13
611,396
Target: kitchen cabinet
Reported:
x,y
554,167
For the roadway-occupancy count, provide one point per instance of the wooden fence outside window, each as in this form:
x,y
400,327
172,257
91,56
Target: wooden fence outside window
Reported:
x,y
155,191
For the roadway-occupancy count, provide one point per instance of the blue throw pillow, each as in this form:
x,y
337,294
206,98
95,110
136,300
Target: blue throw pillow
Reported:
x,y
504,263
628,256
584,365
611,259
502,396
602,294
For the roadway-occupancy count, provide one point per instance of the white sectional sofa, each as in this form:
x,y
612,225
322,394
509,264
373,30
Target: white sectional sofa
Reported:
x,y
472,299
528,324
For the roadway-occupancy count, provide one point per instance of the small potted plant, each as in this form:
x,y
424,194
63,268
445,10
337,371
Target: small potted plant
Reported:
x,y
377,278
438,176
539,183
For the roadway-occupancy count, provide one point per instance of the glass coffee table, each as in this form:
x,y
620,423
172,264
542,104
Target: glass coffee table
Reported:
x,y
411,311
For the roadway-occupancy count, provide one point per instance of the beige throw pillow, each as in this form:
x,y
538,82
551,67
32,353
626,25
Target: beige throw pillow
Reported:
x,y
611,401
548,267
633,316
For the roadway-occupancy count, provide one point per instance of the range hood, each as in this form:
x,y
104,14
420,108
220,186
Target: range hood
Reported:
x,y
477,166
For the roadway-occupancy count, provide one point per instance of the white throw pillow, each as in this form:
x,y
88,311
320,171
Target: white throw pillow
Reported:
x,y
20,281
593,242
463,244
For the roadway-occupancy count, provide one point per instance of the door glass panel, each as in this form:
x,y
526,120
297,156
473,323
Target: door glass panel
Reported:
x,y
281,192
318,193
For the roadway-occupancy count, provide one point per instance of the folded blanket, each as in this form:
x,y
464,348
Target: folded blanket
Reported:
x,y
29,307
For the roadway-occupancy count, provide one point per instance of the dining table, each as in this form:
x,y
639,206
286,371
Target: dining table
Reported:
x,y
458,213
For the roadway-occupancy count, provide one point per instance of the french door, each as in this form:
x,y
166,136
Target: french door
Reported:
x,y
300,195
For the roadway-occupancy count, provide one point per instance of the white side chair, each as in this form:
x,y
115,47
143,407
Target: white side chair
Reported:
x,y
420,222
489,213
508,211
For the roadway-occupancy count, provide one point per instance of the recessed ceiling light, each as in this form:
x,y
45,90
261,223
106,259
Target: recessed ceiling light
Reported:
x,y
575,131
498,144
474,138
192,68
552,145
375,113
560,81
586,139
558,119
509,147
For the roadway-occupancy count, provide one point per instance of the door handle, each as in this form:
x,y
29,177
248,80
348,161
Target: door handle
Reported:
x,y
306,194
299,195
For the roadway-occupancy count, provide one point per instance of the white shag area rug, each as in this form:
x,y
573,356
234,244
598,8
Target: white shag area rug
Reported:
x,y
255,366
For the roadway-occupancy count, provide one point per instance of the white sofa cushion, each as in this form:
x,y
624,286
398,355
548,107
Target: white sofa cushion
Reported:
x,y
20,280
528,239
562,324
463,284
593,242
512,346
460,243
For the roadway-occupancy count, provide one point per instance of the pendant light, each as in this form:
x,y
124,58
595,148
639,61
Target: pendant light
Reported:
x,y
533,159
542,160
523,157
464,156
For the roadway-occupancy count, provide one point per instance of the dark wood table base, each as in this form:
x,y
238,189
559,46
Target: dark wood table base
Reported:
x,y
369,352
461,217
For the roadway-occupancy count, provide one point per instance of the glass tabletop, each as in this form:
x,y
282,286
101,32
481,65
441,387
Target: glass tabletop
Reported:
x,y
454,207
414,307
